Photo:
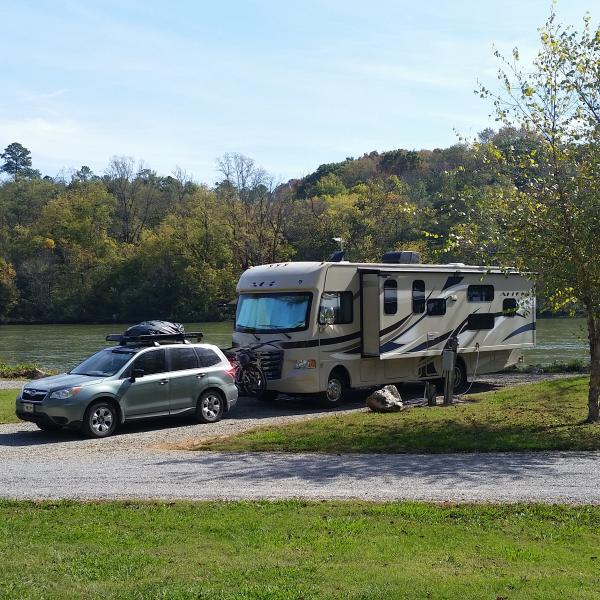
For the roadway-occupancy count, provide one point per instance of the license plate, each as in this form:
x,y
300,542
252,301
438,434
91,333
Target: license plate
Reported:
x,y
28,408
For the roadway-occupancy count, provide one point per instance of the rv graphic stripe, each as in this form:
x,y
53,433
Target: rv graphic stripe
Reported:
x,y
522,329
394,326
452,281
323,342
441,338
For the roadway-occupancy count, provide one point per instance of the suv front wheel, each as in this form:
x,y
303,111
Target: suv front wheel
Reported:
x,y
100,419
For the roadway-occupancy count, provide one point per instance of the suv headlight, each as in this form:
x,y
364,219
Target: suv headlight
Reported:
x,y
310,363
64,394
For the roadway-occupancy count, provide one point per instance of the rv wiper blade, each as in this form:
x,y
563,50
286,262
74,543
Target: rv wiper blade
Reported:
x,y
278,329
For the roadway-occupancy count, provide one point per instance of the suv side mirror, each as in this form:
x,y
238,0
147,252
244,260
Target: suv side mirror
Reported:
x,y
137,373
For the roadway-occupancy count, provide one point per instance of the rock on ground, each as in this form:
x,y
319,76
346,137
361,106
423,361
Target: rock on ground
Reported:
x,y
387,399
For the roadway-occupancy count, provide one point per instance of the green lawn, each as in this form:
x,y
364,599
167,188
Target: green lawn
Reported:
x,y
542,416
7,407
297,550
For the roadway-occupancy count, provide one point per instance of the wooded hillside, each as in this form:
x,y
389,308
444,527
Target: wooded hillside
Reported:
x,y
130,244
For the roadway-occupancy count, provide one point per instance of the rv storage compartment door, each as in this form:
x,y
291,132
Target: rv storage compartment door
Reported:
x,y
369,314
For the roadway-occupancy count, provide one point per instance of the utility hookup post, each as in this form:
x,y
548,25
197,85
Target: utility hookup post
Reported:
x,y
430,393
448,363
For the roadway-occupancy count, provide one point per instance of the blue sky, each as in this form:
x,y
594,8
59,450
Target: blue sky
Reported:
x,y
290,84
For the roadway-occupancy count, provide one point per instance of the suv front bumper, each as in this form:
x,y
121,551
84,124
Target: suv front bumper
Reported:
x,y
57,412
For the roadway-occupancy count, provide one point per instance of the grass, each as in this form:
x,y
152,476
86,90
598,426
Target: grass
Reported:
x,y
7,407
571,366
541,416
297,550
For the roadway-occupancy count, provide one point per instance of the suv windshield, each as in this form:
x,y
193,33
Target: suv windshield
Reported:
x,y
269,313
104,363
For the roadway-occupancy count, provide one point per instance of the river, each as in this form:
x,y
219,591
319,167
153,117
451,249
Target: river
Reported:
x,y
63,346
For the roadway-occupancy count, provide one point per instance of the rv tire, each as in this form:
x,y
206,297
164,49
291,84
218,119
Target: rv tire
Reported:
x,y
337,387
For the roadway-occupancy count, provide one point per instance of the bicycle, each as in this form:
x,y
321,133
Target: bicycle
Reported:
x,y
249,376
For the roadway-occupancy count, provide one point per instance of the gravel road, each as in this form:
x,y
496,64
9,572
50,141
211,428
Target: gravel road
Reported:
x,y
136,463
541,477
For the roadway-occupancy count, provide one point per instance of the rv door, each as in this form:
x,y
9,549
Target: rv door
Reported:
x,y
369,313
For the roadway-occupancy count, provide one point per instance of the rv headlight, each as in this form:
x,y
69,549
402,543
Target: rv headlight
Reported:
x,y
64,394
310,363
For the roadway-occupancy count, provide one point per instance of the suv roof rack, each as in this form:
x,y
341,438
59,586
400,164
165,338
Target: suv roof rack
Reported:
x,y
154,338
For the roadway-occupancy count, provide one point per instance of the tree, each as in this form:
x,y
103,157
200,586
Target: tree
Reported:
x,y
258,211
551,223
136,192
83,175
17,161
8,291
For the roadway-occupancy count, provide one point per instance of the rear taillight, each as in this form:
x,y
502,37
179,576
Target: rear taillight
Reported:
x,y
230,370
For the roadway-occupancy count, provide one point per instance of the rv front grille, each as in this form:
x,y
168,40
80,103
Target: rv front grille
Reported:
x,y
271,362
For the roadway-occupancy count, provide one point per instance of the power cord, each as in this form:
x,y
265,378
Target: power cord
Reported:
x,y
474,375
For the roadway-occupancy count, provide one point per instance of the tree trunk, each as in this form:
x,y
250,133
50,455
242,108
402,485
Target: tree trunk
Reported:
x,y
593,323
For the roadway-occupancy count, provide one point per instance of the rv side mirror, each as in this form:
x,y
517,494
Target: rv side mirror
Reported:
x,y
326,315
136,374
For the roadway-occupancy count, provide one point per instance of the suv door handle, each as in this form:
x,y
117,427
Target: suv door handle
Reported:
x,y
201,376
163,381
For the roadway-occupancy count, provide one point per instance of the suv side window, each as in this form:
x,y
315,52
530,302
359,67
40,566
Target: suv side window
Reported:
x,y
151,362
207,357
183,358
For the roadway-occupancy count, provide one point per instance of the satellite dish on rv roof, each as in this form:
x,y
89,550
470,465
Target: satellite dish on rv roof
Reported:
x,y
401,258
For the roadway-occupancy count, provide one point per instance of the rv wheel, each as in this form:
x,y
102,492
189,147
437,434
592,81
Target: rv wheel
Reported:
x,y
337,388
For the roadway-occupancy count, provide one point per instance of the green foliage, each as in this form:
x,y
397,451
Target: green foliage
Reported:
x,y
133,244
8,292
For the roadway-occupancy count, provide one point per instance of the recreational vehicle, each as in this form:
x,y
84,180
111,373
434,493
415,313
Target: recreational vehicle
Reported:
x,y
325,327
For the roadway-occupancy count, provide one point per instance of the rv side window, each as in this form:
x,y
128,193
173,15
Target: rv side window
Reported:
x,y
509,307
341,302
436,307
480,293
418,296
477,321
390,297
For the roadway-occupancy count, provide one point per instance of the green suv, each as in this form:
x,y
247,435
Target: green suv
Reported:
x,y
130,382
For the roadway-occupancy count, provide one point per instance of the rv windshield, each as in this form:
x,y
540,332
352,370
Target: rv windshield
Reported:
x,y
270,313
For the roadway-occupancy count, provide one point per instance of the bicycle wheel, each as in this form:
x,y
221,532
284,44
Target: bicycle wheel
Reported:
x,y
253,381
